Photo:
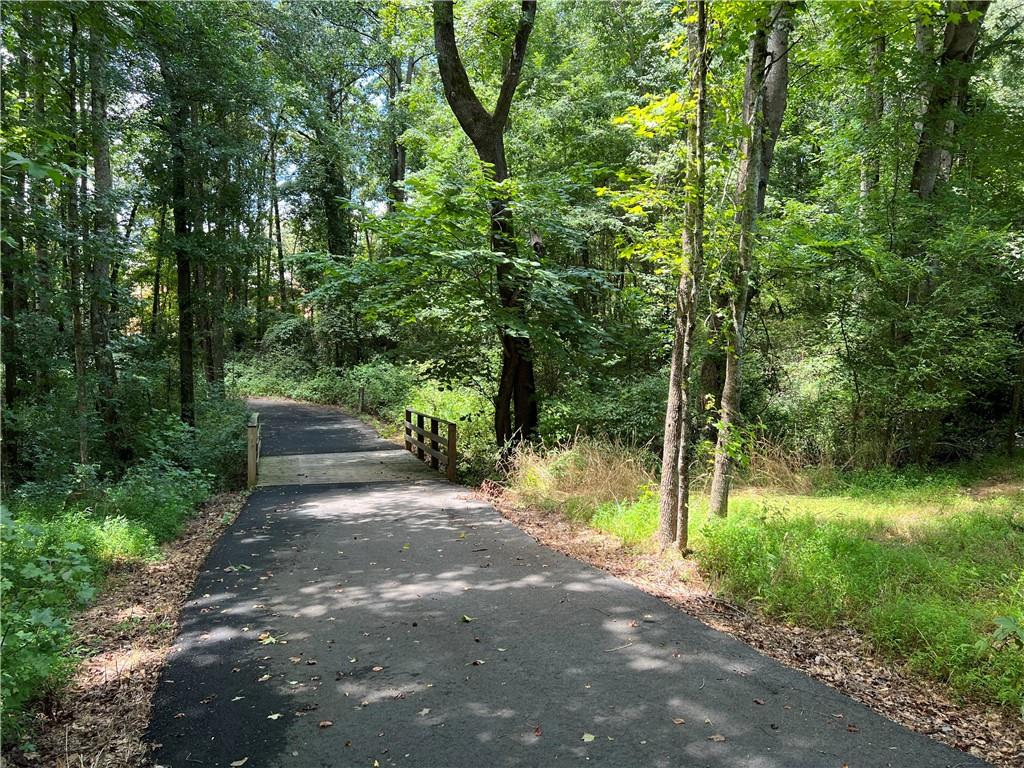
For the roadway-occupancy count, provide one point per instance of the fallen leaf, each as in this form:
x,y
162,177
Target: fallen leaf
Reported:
x,y
467,619
274,716
425,711
537,731
294,659
325,723
478,662
240,763
716,737
759,701
378,669
678,720
588,737
263,679
238,698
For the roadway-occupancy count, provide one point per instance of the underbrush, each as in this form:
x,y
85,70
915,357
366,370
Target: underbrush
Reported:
x,y
927,564
389,388
60,535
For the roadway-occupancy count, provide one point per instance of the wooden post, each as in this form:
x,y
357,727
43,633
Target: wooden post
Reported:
x,y
253,434
452,453
419,423
362,398
433,443
408,430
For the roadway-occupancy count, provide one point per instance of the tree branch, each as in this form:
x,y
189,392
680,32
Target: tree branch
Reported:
x,y
515,64
474,119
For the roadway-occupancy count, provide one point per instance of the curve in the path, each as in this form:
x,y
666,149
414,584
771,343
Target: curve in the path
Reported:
x,y
401,624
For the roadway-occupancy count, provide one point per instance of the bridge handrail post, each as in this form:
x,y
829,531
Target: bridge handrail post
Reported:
x,y
253,452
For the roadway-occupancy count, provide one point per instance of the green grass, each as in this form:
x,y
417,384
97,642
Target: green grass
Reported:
x,y
927,565
56,542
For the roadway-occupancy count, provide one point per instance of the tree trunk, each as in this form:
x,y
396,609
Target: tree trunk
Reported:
x,y
674,512
217,329
161,241
282,287
1017,399
181,209
10,265
870,169
336,215
398,81
103,231
74,255
747,196
947,94
516,383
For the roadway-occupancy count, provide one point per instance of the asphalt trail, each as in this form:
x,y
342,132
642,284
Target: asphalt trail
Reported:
x,y
329,628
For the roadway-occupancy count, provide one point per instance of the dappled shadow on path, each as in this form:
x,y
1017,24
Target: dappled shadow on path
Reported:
x,y
422,629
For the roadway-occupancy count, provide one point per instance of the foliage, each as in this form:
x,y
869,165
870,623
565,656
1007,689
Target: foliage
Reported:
x,y
930,574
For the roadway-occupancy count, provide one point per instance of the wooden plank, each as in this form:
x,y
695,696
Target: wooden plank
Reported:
x,y
423,448
425,432
427,416
419,423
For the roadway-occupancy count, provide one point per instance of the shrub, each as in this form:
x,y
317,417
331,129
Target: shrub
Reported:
x,y
42,579
158,495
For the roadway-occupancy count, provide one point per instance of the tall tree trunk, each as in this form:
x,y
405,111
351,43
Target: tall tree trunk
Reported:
x,y
674,513
217,329
748,195
947,94
398,81
1017,398
74,255
516,384
104,226
282,287
874,95
161,243
181,209
336,214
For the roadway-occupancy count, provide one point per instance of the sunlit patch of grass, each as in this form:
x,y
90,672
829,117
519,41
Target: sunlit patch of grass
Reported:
x,y
921,562
578,479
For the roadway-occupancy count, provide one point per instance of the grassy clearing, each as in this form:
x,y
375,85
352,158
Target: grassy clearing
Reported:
x,y
927,565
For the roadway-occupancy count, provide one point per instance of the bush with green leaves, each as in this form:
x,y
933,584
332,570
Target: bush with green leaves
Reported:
x,y
42,580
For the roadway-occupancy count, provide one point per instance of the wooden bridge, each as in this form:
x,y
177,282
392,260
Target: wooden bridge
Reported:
x,y
304,444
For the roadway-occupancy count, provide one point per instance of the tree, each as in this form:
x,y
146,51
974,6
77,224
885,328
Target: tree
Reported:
x,y
947,93
674,510
763,108
517,389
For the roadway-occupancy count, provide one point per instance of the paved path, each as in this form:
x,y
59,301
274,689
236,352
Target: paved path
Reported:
x,y
358,592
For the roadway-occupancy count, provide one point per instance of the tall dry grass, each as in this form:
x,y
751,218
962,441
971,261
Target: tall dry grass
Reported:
x,y
578,477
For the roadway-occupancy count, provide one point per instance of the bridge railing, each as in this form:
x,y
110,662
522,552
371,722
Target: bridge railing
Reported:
x,y
253,432
434,445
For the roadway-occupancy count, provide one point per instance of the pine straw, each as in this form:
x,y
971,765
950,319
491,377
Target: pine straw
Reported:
x,y
838,657
99,719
